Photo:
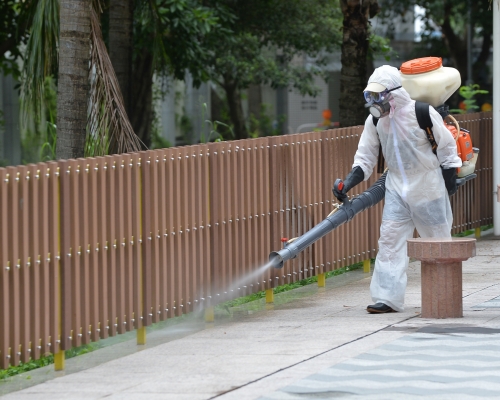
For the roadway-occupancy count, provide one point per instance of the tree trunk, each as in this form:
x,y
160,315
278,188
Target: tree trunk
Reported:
x,y
456,45
236,110
354,54
120,45
141,114
73,80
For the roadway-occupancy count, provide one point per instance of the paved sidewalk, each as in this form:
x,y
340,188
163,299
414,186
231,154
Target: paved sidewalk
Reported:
x,y
312,343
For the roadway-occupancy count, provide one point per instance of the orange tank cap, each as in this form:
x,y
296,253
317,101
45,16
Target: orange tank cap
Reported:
x,y
420,65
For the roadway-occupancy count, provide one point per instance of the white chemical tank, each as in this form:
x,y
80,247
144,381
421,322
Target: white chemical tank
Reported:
x,y
425,79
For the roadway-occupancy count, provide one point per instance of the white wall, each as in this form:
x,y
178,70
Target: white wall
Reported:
x,y
307,109
181,98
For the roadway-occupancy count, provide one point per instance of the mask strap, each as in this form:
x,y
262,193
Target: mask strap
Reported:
x,y
398,87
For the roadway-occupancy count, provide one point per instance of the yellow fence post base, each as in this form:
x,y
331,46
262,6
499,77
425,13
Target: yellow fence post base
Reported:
x,y
477,232
209,314
366,265
141,335
322,280
59,360
269,296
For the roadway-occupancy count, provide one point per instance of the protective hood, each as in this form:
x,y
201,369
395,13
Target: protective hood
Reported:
x,y
390,77
413,167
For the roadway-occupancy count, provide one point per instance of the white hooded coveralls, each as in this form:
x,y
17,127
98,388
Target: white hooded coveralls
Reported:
x,y
415,196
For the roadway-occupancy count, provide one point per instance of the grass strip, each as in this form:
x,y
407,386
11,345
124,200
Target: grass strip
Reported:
x,y
284,288
44,361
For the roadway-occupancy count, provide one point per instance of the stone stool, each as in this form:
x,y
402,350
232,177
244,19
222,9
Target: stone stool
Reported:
x,y
442,273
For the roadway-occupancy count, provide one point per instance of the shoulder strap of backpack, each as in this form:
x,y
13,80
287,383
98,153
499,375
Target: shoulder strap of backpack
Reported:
x,y
425,122
380,163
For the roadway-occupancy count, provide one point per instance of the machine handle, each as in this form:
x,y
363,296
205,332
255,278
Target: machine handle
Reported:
x,y
338,186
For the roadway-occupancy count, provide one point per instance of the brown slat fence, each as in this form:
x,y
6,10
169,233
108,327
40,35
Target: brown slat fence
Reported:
x,y
94,247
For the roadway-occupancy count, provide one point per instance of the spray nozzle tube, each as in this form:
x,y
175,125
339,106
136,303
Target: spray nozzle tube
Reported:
x,y
342,214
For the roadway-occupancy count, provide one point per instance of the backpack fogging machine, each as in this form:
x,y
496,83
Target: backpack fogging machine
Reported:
x,y
418,76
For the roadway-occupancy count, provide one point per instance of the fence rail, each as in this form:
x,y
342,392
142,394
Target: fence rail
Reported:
x,y
95,247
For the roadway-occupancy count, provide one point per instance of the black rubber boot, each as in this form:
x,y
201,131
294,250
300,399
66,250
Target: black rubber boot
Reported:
x,y
379,308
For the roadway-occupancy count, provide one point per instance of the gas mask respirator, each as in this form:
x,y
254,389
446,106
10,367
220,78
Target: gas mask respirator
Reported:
x,y
378,102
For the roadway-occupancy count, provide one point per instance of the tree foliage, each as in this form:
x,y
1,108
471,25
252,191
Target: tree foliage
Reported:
x,y
169,38
266,41
15,19
235,44
173,31
445,31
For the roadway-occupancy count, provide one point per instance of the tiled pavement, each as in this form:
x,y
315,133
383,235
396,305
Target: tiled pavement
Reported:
x,y
312,344
438,363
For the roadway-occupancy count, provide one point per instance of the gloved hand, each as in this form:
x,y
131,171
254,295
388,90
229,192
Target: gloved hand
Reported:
x,y
450,180
352,179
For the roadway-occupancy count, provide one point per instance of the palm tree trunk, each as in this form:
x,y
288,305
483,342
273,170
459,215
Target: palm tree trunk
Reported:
x,y
354,51
73,80
120,45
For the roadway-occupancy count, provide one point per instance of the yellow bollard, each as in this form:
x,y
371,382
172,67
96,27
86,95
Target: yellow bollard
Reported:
x,y
59,360
366,265
322,280
141,336
269,296
209,314
477,232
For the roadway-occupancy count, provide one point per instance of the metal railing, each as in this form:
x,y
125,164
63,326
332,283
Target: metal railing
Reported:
x,y
94,247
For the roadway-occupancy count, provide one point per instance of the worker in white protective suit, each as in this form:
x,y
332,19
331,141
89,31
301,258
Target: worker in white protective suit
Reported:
x,y
418,183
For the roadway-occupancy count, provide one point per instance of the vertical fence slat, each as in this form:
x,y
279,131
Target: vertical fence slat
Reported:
x,y
195,246
13,251
155,240
5,268
277,168
136,194
200,199
206,233
146,233
187,263
102,213
246,221
34,214
110,238
42,175
214,217
119,245
264,211
22,263
169,172
77,283
83,255
64,284
92,172
234,205
55,255
178,260
129,244
162,232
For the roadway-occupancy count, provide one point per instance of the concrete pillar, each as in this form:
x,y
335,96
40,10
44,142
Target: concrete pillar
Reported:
x,y
441,260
